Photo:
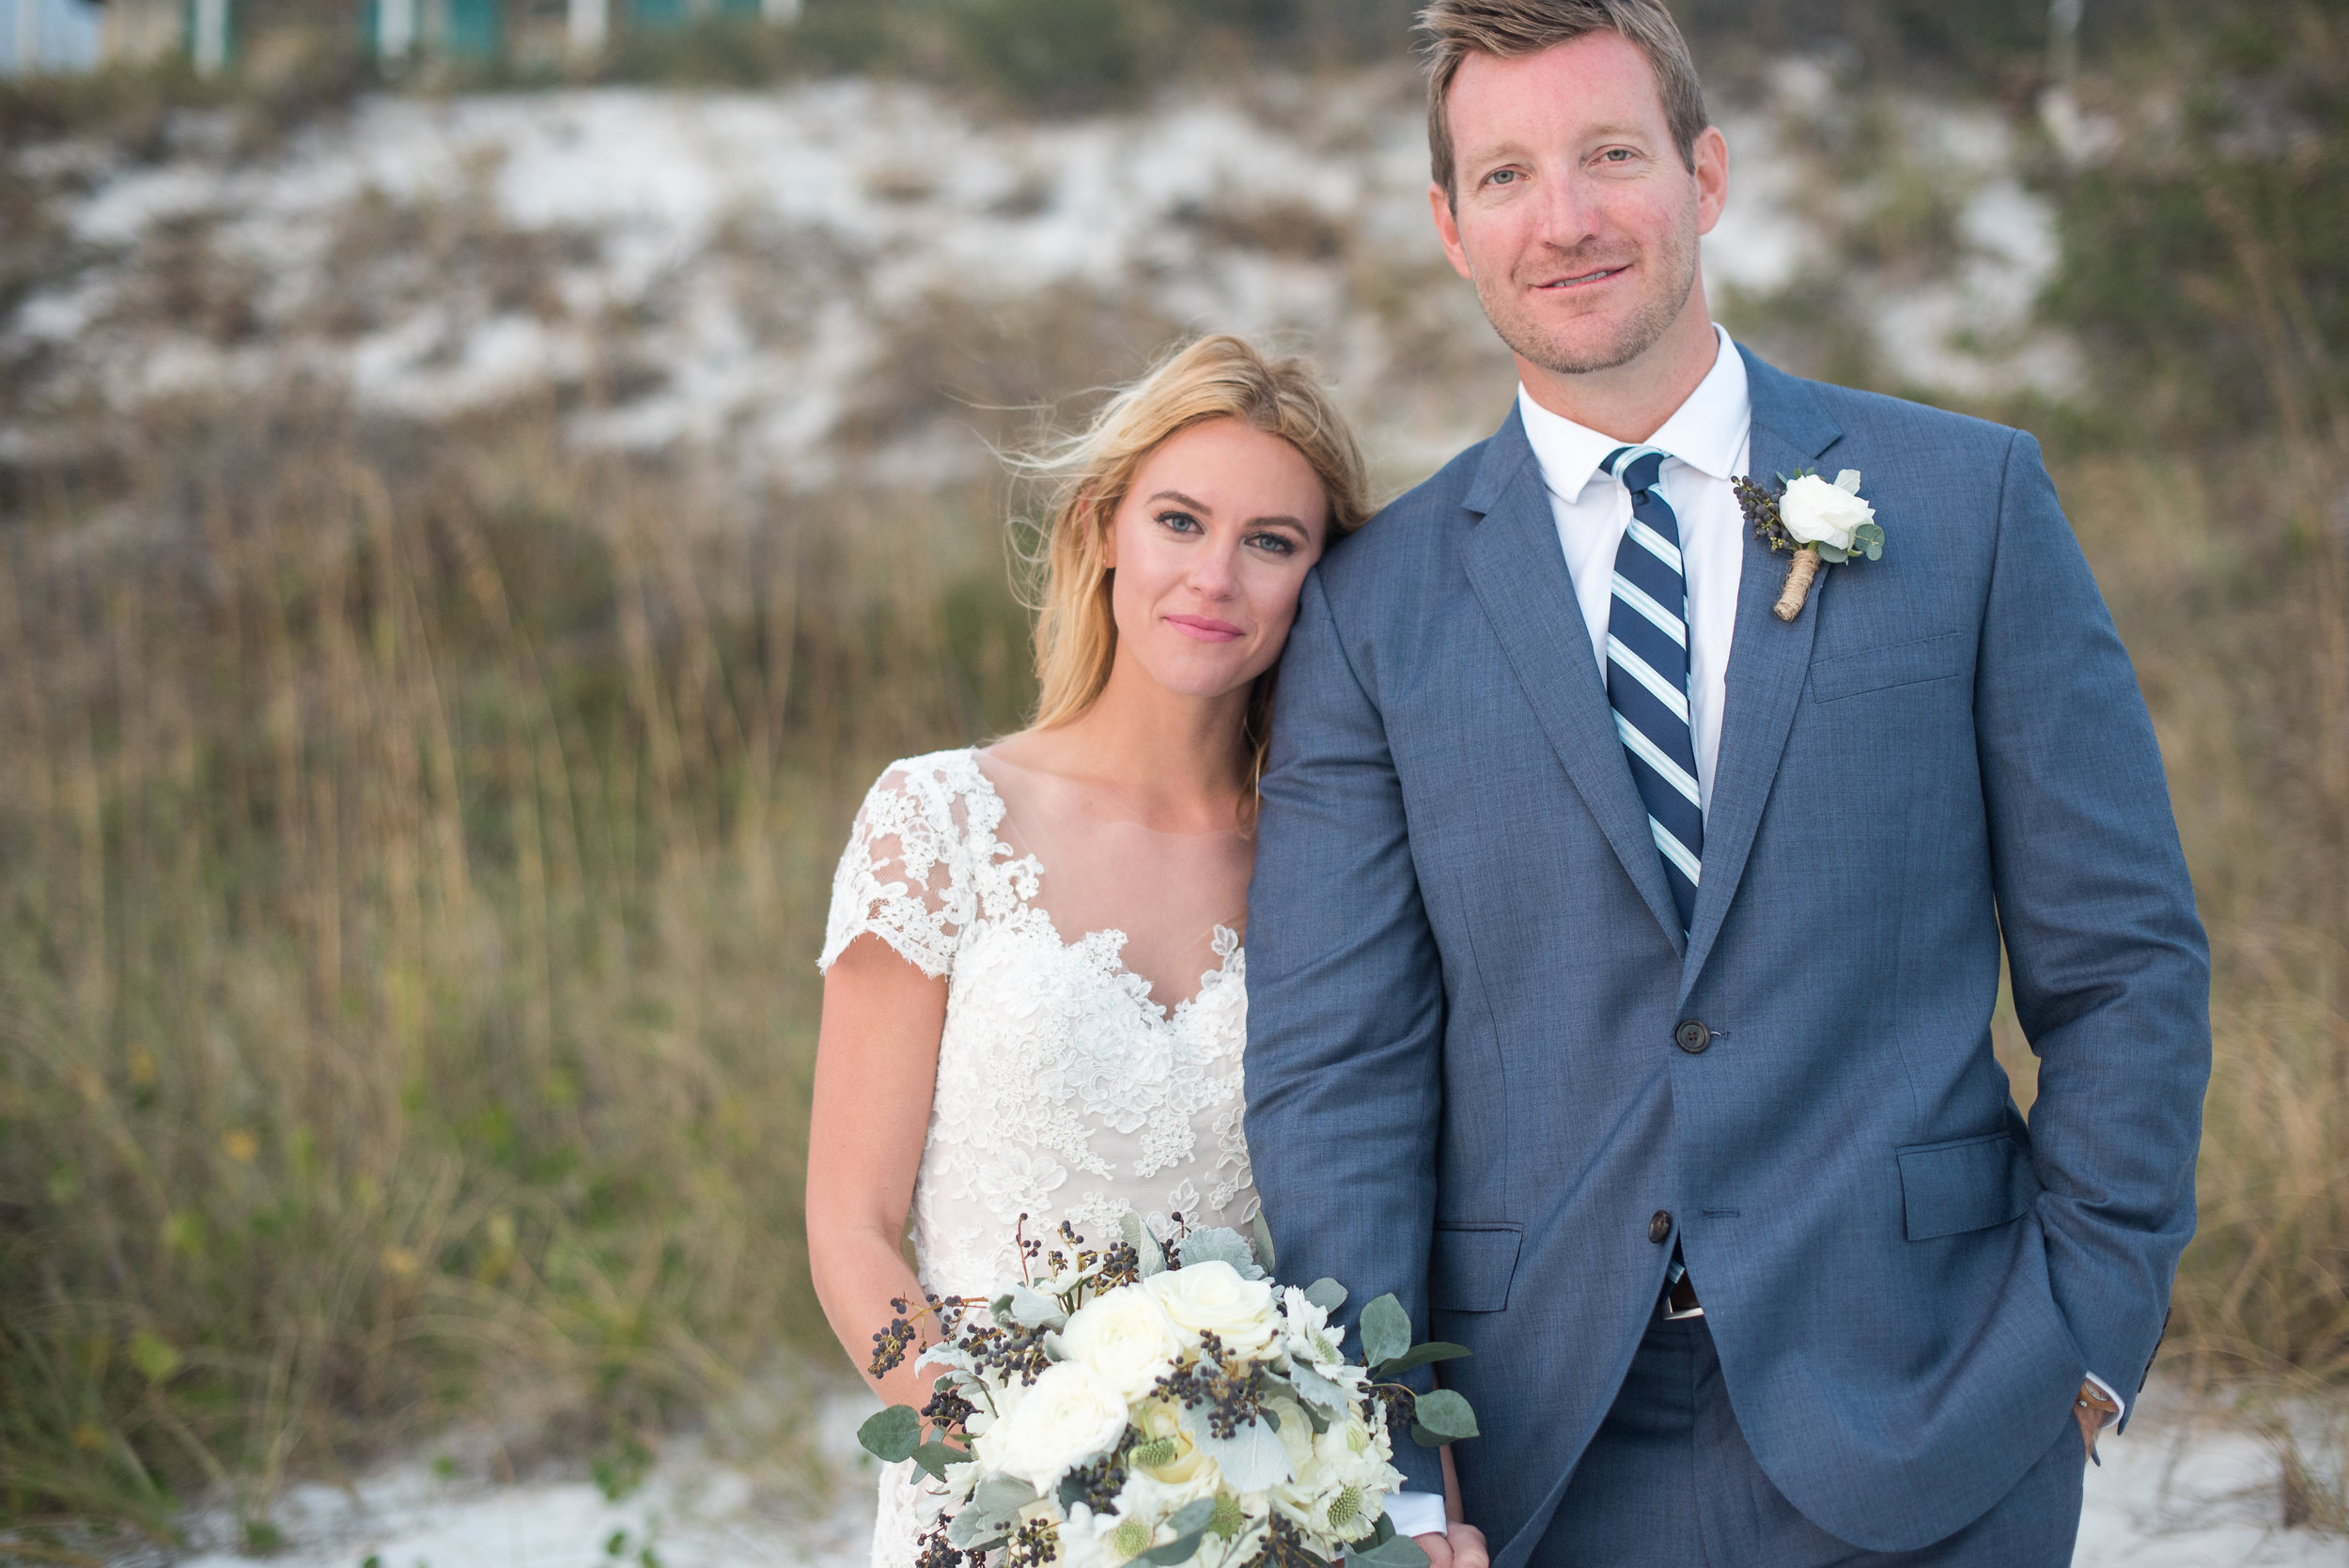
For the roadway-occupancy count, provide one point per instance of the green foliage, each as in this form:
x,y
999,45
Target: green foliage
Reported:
x,y
1386,1330
1391,1551
1419,1356
1052,55
2170,256
1443,1416
408,878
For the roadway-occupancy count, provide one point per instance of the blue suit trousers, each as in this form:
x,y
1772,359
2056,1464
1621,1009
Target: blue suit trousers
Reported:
x,y
1668,1483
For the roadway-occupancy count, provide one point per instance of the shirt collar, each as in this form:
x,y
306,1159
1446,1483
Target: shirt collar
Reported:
x,y
1707,432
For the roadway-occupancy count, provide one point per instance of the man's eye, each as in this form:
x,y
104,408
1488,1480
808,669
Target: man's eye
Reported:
x,y
1617,155
1501,176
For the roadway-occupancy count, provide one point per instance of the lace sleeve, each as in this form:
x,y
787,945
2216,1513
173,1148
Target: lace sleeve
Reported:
x,y
905,875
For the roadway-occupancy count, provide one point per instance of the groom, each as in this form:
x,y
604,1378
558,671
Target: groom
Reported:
x,y
1622,957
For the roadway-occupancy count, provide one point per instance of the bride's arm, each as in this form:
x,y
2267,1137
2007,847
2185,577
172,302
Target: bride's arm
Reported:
x,y
875,1067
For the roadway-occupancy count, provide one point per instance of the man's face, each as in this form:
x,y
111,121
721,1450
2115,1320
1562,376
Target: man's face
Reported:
x,y
1574,217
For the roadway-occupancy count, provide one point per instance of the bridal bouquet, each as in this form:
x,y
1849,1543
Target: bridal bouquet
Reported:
x,y
1160,1405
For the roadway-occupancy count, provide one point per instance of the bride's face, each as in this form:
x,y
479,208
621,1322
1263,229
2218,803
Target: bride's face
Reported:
x,y
1210,550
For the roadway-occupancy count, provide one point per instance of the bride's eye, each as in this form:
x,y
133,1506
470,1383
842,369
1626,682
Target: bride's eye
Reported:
x,y
1273,544
1182,522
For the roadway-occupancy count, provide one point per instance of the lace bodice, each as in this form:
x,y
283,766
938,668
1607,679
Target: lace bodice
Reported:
x,y
1063,1092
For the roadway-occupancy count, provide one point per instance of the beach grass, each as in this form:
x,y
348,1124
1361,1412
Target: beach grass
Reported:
x,y
414,841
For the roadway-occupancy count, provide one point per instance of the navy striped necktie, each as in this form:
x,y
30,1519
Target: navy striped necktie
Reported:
x,y
1647,671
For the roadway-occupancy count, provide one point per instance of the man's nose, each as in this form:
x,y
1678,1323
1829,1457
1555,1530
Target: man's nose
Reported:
x,y
1569,217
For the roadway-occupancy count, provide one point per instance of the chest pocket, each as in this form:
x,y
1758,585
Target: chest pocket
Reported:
x,y
1909,664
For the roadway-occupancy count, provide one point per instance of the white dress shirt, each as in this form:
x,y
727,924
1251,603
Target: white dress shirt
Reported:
x,y
1707,439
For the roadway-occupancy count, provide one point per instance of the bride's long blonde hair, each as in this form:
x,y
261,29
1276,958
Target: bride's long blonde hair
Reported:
x,y
1220,376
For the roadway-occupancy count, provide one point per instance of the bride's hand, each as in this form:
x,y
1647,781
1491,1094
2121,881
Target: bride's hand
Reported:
x,y
1462,1546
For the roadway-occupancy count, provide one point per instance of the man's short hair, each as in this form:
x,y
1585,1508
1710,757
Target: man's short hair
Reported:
x,y
1511,29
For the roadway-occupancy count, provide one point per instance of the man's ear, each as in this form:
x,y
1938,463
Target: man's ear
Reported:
x,y
1711,177
1448,230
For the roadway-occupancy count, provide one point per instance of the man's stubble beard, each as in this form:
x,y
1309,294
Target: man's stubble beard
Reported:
x,y
1640,330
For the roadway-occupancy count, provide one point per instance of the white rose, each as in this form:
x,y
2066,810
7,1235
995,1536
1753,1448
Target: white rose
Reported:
x,y
1212,1299
1068,1417
1818,513
1127,1338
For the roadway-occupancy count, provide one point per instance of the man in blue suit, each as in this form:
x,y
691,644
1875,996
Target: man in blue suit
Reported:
x,y
1623,954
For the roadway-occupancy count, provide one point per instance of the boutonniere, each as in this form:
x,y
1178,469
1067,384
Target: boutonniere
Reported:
x,y
1818,523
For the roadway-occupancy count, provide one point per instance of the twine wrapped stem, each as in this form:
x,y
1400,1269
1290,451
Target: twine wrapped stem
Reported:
x,y
1798,576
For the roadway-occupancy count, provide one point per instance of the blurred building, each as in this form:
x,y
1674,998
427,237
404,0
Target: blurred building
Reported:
x,y
44,36
49,35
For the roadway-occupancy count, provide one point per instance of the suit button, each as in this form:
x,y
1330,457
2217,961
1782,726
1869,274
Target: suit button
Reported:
x,y
1659,1229
1692,1037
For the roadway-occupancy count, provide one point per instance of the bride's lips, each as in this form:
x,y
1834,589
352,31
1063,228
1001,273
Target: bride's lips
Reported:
x,y
1206,628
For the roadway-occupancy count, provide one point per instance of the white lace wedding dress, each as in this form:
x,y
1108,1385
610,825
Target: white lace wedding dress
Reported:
x,y
1064,1091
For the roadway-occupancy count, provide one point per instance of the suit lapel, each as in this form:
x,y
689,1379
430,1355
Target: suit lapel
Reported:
x,y
1518,571
1768,660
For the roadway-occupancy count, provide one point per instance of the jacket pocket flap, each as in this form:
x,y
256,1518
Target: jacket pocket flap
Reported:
x,y
1848,675
1967,1184
1471,1267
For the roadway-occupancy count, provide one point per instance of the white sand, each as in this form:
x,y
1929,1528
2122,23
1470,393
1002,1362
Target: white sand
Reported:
x,y
2165,1498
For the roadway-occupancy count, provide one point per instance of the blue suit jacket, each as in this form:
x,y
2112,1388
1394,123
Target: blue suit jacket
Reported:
x,y
1465,975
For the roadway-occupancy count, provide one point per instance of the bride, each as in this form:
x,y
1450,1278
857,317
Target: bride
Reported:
x,y
1034,997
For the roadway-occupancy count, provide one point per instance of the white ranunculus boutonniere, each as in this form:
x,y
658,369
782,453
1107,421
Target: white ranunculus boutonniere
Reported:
x,y
1819,523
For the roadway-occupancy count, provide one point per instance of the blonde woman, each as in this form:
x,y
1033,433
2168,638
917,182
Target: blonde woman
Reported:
x,y
1035,995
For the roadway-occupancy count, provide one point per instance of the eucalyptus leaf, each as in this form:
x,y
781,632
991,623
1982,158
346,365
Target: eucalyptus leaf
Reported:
x,y
1193,1515
1221,1245
1381,1532
1399,1551
1386,1330
1443,1412
934,1456
891,1435
1327,1294
1263,1235
1831,555
1176,1552
1419,1356
1146,1246
1191,1525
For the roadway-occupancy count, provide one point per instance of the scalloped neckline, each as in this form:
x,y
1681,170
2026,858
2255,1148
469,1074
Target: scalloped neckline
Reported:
x,y
1108,956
